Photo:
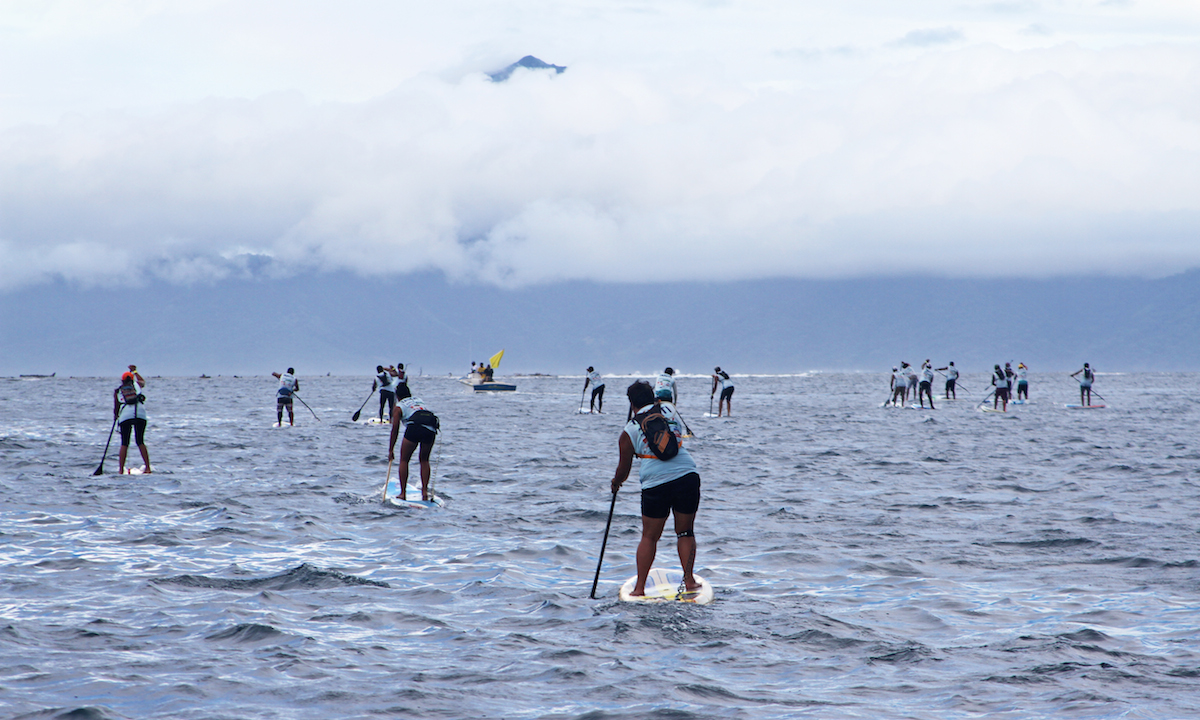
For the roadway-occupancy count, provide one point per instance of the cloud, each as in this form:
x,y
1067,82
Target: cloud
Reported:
x,y
958,160
931,36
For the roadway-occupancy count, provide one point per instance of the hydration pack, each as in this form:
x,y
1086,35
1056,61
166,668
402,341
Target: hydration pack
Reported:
x,y
658,433
427,419
130,395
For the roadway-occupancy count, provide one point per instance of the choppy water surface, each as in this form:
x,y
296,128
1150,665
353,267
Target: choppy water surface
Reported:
x,y
869,563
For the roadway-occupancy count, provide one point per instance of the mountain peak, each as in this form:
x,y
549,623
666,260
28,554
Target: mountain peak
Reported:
x,y
528,61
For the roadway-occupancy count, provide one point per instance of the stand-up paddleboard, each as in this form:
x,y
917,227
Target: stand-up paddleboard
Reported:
x,y
275,425
989,409
377,421
135,470
1075,406
585,411
662,585
414,497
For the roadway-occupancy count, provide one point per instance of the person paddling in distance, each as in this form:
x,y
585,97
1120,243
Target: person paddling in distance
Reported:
x,y
1000,381
131,416
593,378
926,384
669,481
420,430
664,386
898,386
721,378
951,374
1022,382
385,382
288,384
1085,383
399,373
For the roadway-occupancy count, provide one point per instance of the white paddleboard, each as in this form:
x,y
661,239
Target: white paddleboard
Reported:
x,y
989,409
377,421
1073,406
414,497
662,585
135,470
275,425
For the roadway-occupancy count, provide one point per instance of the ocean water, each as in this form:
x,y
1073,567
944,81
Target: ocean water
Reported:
x,y
868,562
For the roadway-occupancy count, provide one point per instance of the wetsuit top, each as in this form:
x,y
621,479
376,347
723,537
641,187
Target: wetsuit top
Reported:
x,y
927,375
952,373
387,383
130,410
899,377
999,380
409,406
664,386
287,385
723,382
654,472
1088,377
595,379
1023,376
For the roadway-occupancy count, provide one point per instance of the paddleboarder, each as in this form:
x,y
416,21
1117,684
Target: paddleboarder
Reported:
x,y
721,378
593,378
664,386
385,382
130,413
1000,381
1085,383
898,386
926,384
670,486
951,374
420,430
1022,382
288,384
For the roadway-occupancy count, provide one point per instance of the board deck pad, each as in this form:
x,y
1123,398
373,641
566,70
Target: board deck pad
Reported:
x,y
662,585
414,497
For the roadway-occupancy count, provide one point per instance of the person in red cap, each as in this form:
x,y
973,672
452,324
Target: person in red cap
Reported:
x,y
128,408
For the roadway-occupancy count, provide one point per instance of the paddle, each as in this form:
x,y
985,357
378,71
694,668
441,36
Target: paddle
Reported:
x,y
985,398
581,394
100,470
604,544
297,396
710,399
387,480
354,417
686,429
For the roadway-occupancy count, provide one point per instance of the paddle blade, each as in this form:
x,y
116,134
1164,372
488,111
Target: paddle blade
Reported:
x,y
100,470
354,417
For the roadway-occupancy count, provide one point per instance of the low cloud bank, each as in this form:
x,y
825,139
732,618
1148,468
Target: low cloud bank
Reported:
x,y
963,162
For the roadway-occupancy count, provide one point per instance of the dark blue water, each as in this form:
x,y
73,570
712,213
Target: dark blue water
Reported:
x,y
868,562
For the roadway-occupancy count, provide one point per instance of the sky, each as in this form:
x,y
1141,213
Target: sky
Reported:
x,y
193,141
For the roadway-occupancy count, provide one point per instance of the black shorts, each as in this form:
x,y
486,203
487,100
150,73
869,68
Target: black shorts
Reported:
x,y
418,428
1002,393
282,400
725,394
681,495
138,426
925,385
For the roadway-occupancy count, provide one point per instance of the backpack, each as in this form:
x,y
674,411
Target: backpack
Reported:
x,y
130,395
658,433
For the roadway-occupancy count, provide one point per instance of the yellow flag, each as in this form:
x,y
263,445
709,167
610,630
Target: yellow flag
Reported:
x,y
495,361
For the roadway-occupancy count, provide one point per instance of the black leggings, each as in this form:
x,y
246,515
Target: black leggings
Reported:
x,y
388,398
138,426
597,398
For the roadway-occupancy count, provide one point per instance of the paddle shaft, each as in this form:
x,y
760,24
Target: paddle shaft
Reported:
x,y
100,470
387,480
604,544
297,396
354,417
